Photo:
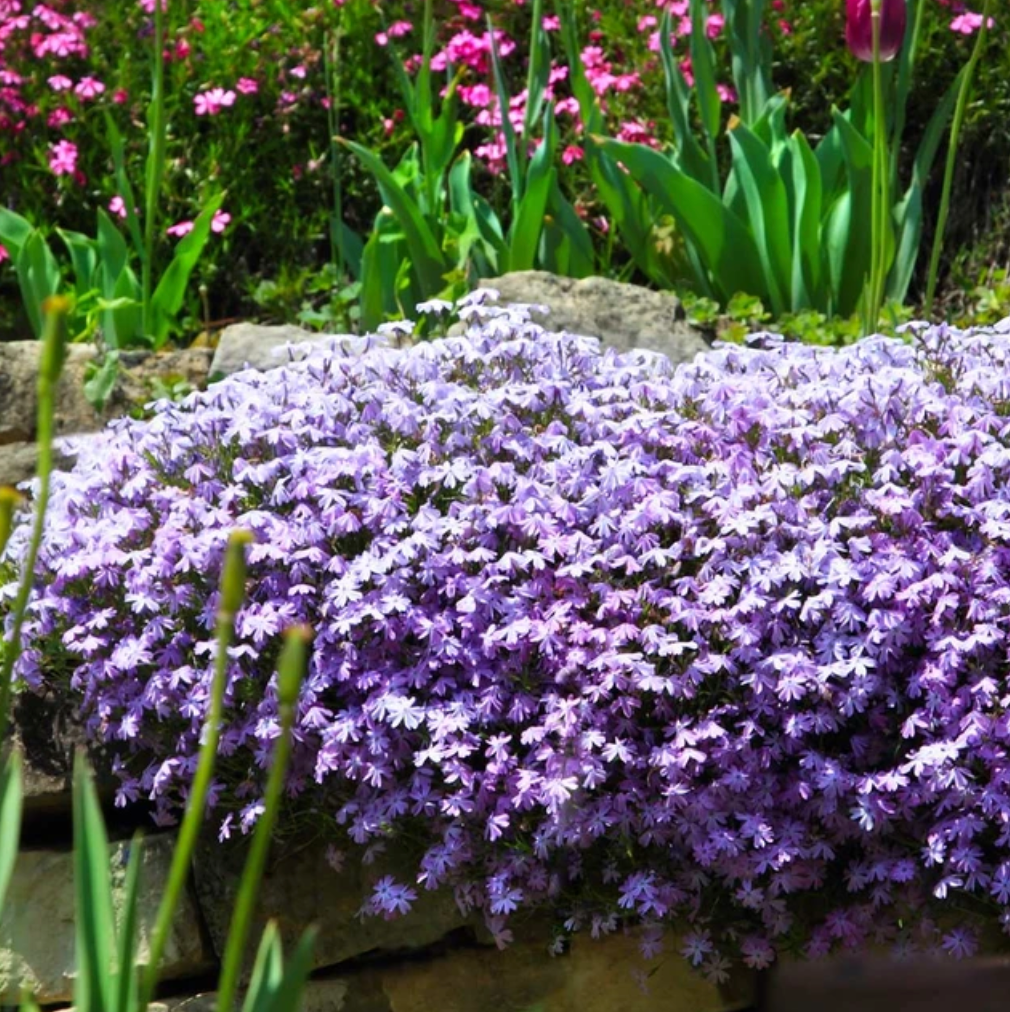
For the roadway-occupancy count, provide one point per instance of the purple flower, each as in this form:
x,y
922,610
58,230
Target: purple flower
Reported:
x,y
723,646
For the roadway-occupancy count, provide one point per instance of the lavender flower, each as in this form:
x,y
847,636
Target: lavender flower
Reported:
x,y
724,646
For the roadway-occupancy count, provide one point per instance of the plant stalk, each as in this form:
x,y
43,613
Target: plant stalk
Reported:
x,y
290,672
948,172
155,169
232,594
55,310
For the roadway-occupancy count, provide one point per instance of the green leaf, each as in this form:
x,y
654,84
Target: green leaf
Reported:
x,y
539,70
124,187
690,155
425,252
94,925
629,209
14,232
100,383
751,55
803,186
513,155
567,246
722,242
112,252
83,259
11,792
848,230
524,235
38,277
121,311
768,212
908,212
703,68
126,970
171,289
589,105
381,257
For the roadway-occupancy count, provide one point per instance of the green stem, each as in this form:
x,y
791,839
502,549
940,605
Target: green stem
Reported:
x,y
332,72
155,169
908,55
290,671
879,206
55,310
232,592
948,172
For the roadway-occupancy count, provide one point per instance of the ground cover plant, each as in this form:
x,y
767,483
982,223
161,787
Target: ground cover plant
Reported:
x,y
721,646
279,79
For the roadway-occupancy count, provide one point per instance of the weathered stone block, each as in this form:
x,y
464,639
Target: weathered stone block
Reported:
x,y
301,889
623,316
37,923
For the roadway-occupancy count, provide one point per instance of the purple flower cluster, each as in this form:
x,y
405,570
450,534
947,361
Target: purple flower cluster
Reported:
x,y
724,646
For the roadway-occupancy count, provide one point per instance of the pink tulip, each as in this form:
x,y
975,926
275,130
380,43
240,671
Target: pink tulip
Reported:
x,y
859,28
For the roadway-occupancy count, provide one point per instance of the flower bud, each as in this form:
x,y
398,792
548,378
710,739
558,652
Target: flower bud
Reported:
x,y
292,664
859,27
55,310
233,572
8,501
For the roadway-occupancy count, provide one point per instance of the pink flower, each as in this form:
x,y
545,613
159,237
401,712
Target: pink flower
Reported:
x,y
120,96
572,153
298,72
400,28
118,206
59,117
59,82
247,86
88,87
210,103
969,23
220,221
180,228
63,158
4,255
551,23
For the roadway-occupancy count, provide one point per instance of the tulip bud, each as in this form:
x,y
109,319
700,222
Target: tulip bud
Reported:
x,y
859,28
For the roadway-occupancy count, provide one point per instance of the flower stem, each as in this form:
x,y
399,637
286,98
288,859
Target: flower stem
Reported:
x,y
54,336
155,168
290,671
948,173
232,593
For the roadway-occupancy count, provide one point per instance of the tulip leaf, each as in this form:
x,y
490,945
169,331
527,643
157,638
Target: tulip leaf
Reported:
x,y
725,247
767,211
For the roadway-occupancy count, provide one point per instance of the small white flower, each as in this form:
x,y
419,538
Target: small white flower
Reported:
x,y
437,306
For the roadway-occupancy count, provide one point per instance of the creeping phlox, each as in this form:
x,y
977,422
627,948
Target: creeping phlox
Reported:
x,y
723,646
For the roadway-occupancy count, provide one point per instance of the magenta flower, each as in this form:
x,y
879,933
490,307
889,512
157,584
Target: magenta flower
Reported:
x,y
859,28
63,158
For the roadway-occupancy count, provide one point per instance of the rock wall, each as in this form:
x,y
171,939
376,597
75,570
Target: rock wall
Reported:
x,y
434,959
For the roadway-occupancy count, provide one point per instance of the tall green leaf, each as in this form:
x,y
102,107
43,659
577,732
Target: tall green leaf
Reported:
x,y
14,231
722,242
524,234
425,251
803,185
171,289
38,277
11,792
768,212
94,924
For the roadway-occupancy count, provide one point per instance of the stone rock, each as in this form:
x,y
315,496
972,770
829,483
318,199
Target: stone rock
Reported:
x,y
141,373
19,365
301,888
594,976
607,975
250,345
623,316
37,923
48,733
